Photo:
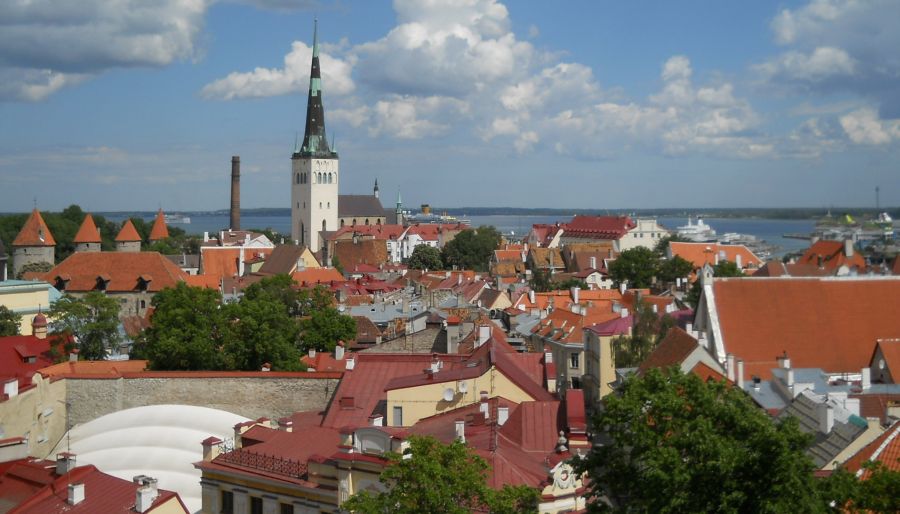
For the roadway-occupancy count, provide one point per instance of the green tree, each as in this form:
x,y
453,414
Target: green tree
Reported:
x,y
722,269
280,288
434,477
568,284
188,330
636,266
674,268
674,443
648,330
324,328
261,330
92,319
425,257
336,264
315,299
878,493
471,249
662,246
9,322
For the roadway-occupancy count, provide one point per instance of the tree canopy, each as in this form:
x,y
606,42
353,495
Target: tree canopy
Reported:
x,y
425,257
722,269
471,249
192,330
636,266
323,328
672,269
434,477
674,443
649,329
92,319
9,322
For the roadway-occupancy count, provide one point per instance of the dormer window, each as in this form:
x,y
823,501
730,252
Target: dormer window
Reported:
x,y
102,281
144,282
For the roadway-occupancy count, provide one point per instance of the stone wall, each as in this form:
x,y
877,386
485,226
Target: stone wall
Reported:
x,y
251,396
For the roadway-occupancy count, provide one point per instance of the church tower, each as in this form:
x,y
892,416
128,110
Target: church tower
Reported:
x,y
314,169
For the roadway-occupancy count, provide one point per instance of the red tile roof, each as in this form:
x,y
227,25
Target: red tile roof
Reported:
x,y
88,232
672,350
614,327
128,234
123,269
34,232
32,486
699,254
160,230
832,256
315,276
323,361
890,350
386,232
826,323
598,227
884,449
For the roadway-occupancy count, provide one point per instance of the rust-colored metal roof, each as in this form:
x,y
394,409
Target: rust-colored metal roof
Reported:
x,y
88,232
34,232
672,350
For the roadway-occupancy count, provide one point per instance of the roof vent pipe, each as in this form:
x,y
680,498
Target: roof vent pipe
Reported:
x,y
76,494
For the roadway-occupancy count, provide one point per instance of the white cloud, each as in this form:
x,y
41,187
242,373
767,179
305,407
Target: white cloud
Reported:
x,y
821,64
863,126
411,117
292,78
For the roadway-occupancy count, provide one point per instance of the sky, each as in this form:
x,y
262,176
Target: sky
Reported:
x,y
135,105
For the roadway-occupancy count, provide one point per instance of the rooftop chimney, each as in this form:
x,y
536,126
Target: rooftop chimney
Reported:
x,y
146,493
339,350
236,192
460,430
65,462
502,415
76,494
866,381
575,294
376,420
729,366
826,418
739,378
848,247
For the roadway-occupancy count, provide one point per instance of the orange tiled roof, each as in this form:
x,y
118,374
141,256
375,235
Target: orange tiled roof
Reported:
x,y
315,276
890,350
128,233
884,449
93,368
88,232
207,281
699,254
820,322
832,256
124,271
159,231
34,232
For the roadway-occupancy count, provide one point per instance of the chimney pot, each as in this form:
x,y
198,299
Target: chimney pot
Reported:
x,y
76,494
460,426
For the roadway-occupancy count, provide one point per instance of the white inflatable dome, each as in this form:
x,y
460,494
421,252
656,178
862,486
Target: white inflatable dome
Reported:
x,y
161,441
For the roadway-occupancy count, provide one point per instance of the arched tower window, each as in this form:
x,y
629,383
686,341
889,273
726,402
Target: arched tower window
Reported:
x,y
323,225
367,221
329,178
342,222
298,178
302,234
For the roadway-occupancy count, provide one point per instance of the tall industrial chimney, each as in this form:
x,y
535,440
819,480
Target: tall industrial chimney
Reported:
x,y
236,192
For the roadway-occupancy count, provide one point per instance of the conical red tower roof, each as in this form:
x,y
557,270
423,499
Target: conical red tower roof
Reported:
x,y
160,230
88,232
128,233
34,232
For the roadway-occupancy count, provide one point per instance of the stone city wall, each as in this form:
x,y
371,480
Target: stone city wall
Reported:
x,y
252,395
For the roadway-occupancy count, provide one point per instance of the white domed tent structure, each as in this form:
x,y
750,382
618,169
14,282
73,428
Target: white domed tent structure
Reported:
x,y
161,441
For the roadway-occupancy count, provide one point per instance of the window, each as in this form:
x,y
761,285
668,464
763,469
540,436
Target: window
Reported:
x,y
227,502
287,509
576,382
256,505
320,205
398,417
573,360
298,178
329,205
143,304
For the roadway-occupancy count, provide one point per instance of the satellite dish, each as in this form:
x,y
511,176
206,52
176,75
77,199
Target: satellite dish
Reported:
x,y
448,395
463,387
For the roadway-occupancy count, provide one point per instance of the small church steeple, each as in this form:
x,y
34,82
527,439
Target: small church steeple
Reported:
x,y
376,188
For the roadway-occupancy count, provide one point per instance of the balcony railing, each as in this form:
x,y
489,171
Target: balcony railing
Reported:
x,y
263,462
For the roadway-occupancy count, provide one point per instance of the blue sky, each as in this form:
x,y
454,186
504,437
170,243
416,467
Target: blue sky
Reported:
x,y
456,103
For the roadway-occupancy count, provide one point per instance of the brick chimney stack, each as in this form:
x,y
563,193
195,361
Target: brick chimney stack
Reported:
x,y
236,192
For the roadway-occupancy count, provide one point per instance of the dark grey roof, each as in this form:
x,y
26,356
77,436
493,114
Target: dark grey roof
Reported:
x,y
359,205
826,446
185,260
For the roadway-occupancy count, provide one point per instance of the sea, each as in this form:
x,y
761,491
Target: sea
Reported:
x,y
770,230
